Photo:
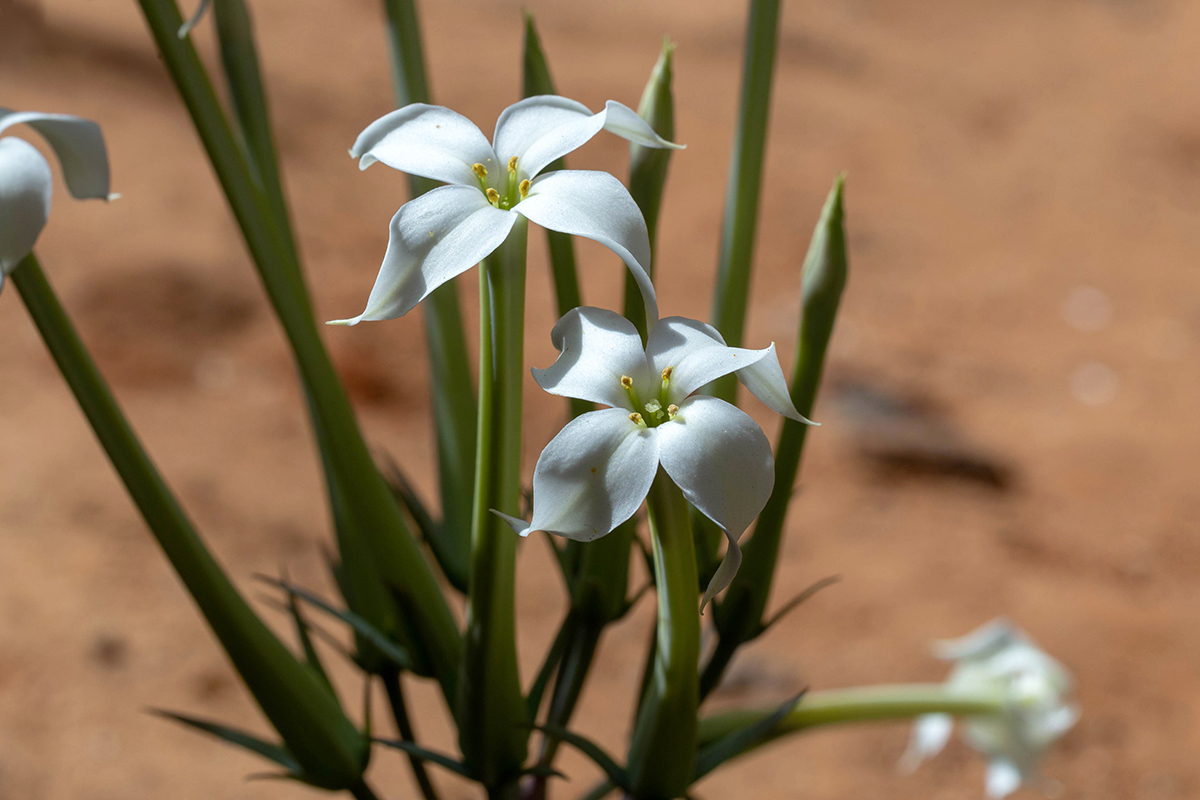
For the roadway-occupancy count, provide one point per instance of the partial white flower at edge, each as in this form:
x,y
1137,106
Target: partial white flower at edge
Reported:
x,y
999,657
25,179
595,473
446,231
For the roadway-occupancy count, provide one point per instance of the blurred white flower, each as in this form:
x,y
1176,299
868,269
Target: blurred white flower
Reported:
x,y
446,231
595,473
25,180
1000,658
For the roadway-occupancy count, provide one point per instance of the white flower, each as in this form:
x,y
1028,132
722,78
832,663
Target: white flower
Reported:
x,y
25,181
595,473
445,232
998,657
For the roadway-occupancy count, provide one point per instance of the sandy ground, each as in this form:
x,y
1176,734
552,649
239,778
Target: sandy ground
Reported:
x,y
1023,204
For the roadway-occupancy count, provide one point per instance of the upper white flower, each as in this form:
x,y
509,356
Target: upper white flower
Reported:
x,y
999,657
445,232
25,180
595,473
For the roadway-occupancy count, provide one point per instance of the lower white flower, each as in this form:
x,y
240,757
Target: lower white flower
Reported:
x,y
1035,687
25,180
595,473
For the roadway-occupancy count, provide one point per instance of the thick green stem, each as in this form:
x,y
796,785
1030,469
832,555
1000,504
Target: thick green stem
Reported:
x,y
363,792
368,497
745,183
662,755
492,715
860,704
303,711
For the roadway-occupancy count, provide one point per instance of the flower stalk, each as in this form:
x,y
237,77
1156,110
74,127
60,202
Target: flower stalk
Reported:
x,y
662,752
491,708
858,704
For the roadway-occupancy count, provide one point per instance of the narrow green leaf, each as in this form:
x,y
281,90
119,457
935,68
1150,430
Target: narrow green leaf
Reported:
x,y
648,171
615,772
800,599
534,699
395,693
431,756
302,633
740,223
739,617
237,738
717,753
398,656
304,712
368,500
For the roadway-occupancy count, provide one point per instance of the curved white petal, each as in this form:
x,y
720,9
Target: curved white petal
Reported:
x,y
430,141
764,378
592,476
565,131
674,338
25,186
435,237
78,144
702,366
930,734
722,461
626,123
981,643
595,205
523,124
597,347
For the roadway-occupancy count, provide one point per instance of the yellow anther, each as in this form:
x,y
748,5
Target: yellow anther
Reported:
x,y
667,373
524,187
635,418
512,164
627,381
480,171
493,196
672,410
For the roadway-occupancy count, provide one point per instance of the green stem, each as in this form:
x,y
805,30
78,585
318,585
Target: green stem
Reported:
x,y
395,693
368,497
363,792
304,712
745,183
859,704
493,735
662,754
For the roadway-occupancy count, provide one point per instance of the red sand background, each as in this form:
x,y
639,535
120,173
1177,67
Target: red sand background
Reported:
x,y
1000,156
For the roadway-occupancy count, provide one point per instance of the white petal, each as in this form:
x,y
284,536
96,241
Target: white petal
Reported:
x,y
435,237
930,734
25,185
595,205
78,144
983,642
1003,778
625,122
425,140
673,338
702,366
592,476
597,348
722,461
523,124
764,378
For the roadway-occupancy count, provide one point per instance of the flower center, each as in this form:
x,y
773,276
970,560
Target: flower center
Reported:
x,y
657,410
514,191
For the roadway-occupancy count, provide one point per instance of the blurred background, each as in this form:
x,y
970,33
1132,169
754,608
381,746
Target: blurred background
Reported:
x,y
1009,411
